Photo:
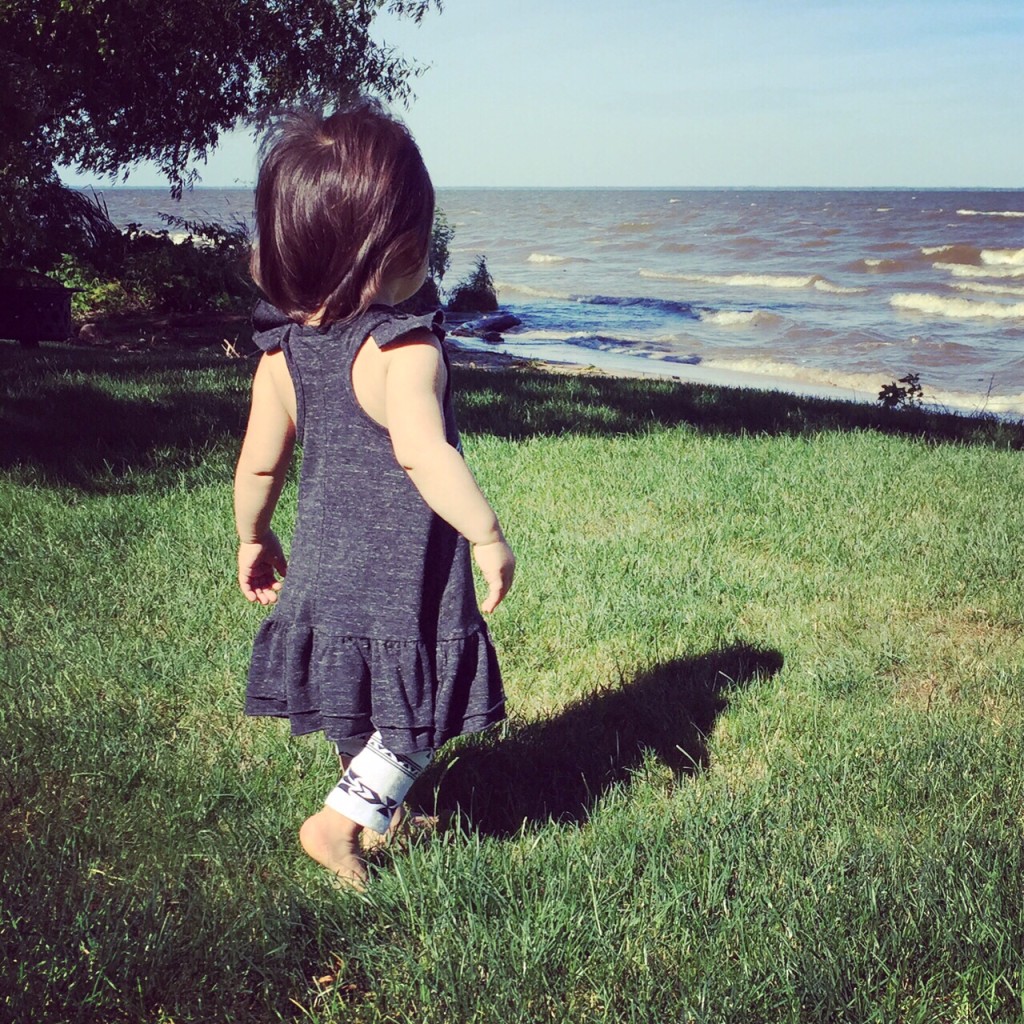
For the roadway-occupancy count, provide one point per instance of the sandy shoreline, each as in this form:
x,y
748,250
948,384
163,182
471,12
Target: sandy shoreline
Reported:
x,y
489,357
494,358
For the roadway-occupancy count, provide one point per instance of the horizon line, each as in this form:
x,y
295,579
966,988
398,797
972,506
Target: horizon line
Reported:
x,y
617,188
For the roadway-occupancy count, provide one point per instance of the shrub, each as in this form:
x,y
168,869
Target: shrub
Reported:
x,y
440,239
428,298
205,271
904,394
94,293
476,293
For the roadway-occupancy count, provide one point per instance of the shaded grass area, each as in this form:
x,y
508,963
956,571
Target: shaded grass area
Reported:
x,y
764,659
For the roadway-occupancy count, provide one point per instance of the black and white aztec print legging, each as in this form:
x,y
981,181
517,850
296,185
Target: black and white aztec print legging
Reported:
x,y
375,783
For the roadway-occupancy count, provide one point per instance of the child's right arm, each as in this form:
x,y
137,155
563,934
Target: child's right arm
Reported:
x,y
259,478
414,392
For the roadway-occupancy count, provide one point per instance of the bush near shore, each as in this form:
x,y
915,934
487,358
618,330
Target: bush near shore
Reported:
x,y
764,662
197,267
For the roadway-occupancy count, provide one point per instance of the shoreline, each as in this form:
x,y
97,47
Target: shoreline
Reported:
x,y
231,333
493,356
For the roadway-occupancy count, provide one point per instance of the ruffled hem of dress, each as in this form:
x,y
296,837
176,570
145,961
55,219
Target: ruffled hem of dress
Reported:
x,y
348,687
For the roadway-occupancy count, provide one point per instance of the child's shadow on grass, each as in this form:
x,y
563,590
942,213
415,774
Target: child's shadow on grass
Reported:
x,y
557,769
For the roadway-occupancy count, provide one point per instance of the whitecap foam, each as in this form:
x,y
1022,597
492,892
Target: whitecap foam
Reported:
x,y
865,386
543,257
740,318
990,213
757,281
529,292
766,366
824,285
543,335
959,270
1002,257
987,289
883,266
960,309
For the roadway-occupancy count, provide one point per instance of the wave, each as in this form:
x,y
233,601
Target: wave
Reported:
x,y
960,309
741,318
1002,257
988,289
605,343
624,302
662,305
990,213
867,385
970,255
529,292
644,347
960,253
633,225
815,281
543,257
819,376
959,270
882,266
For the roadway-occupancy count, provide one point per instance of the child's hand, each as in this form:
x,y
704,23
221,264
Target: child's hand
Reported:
x,y
498,565
257,565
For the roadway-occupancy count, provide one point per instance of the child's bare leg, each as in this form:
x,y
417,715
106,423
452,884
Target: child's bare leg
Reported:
x,y
332,840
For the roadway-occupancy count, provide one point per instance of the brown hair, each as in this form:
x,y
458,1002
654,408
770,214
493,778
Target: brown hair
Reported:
x,y
342,203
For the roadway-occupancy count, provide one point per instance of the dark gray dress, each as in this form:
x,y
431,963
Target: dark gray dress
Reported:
x,y
377,626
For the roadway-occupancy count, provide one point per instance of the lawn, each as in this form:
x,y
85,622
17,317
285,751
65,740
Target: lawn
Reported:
x,y
765,760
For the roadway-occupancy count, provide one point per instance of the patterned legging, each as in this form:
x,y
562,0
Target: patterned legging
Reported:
x,y
375,783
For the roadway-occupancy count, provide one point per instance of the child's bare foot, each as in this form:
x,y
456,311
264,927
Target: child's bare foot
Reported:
x,y
332,839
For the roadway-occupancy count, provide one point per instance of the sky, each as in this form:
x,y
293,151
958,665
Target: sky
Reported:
x,y
715,93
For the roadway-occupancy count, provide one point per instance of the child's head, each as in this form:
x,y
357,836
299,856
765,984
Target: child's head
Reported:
x,y
343,204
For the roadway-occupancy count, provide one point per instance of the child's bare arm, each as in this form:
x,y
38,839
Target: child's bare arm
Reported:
x,y
259,477
414,391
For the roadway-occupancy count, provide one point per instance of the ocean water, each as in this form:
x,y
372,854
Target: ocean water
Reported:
x,y
822,292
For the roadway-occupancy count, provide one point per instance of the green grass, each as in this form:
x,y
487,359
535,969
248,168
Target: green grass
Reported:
x,y
764,659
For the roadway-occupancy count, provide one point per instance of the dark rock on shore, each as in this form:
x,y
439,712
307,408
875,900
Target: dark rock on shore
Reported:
x,y
489,328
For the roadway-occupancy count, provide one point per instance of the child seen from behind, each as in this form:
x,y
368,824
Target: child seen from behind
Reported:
x,y
376,639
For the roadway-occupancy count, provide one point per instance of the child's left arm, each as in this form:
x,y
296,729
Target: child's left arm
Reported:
x,y
414,391
259,478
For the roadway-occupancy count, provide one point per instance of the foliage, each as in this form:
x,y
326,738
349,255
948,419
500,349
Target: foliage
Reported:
x,y
205,270
440,258
476,293
428,298
44,220
122,82
104,84
905,394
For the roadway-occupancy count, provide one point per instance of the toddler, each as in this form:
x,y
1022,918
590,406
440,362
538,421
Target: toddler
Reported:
x,y
376,639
